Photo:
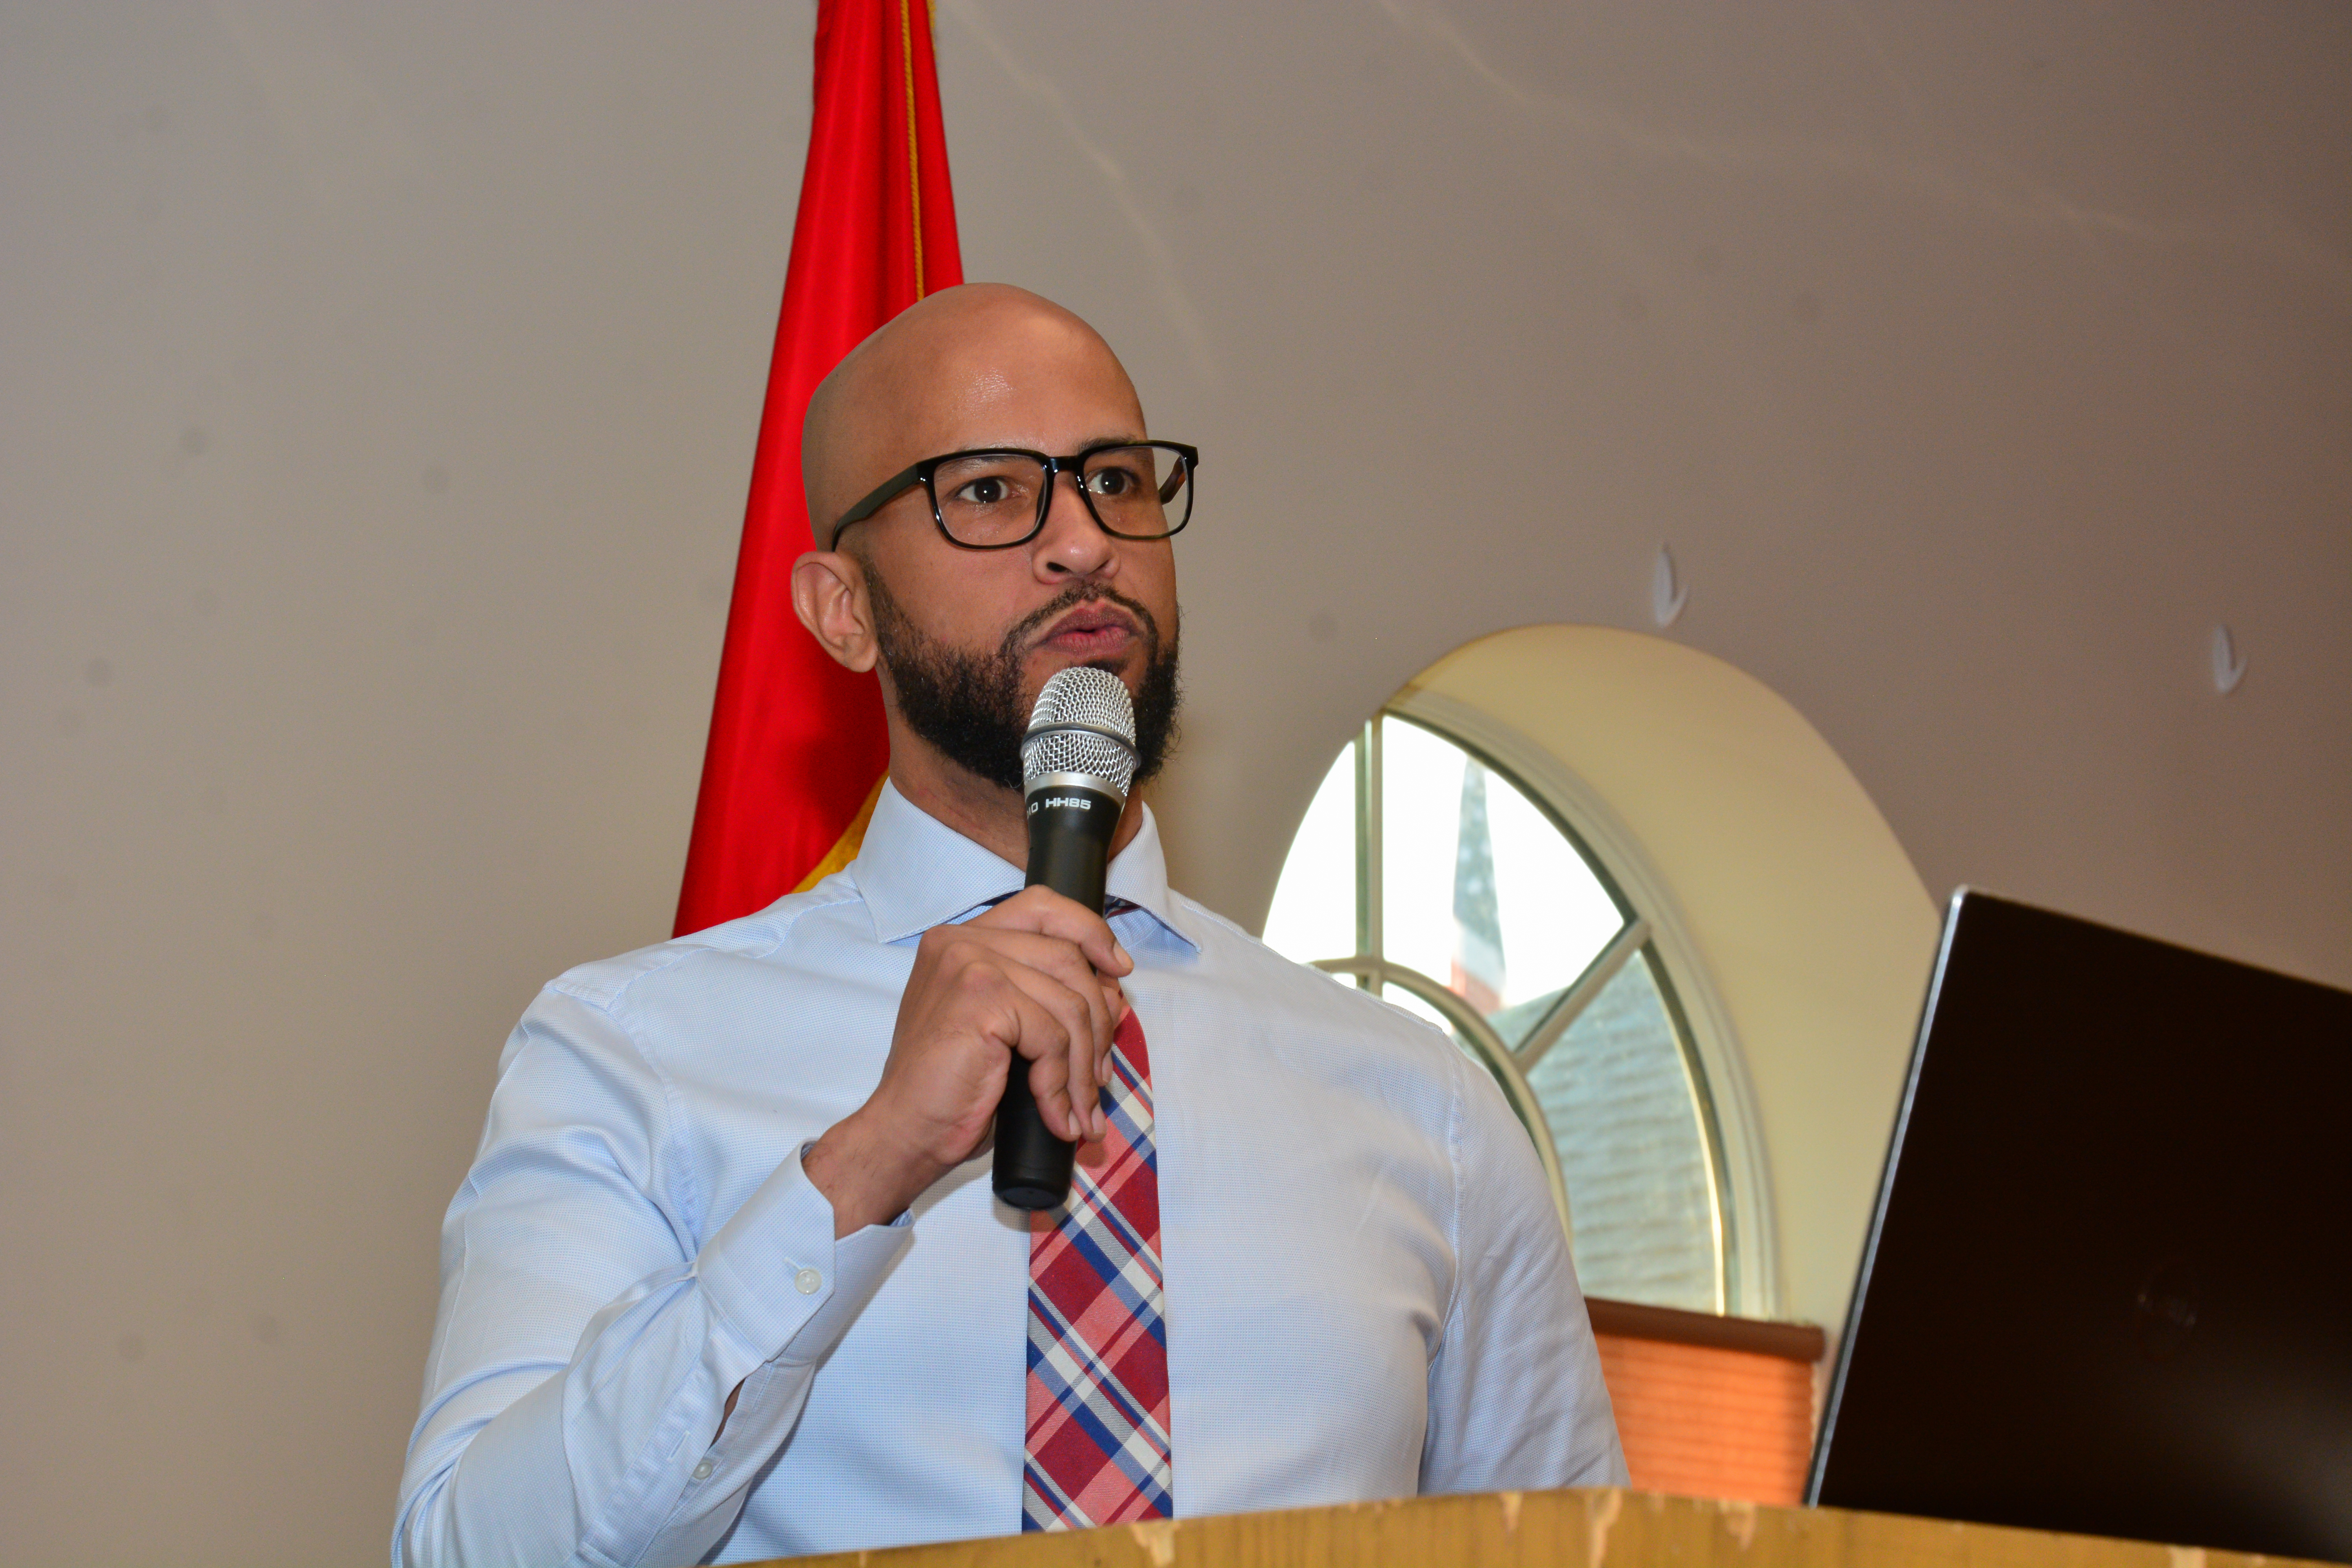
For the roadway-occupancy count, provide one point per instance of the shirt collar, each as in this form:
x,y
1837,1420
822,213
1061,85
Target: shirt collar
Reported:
x,y
915,872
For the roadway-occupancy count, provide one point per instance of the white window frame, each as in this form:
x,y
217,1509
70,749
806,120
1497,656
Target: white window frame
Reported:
x,y
1741,1206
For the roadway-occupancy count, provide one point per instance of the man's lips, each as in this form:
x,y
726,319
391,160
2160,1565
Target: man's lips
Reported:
x,y
1090,631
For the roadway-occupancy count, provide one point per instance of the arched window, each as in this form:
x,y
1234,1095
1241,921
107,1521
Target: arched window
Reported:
x,y
1429,873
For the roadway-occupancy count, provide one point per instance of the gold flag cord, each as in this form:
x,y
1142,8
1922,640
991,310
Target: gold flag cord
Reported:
x,y
914,157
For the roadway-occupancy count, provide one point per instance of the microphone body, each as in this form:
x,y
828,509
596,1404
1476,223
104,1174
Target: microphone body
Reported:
x,y
1070,826
1079,758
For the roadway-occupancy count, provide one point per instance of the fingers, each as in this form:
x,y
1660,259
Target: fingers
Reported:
x,y
1050,1026
1045,1040
1040,978
1042,914
1067,1060
993,1006
1046,913
1052,957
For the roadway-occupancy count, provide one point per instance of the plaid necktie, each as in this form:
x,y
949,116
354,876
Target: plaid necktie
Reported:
x,y
1098,1444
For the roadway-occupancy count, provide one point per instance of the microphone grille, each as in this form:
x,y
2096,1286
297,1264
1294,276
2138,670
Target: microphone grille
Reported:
x,y
1083,722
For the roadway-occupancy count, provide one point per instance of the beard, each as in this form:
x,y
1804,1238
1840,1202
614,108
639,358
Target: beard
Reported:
x,y
970,706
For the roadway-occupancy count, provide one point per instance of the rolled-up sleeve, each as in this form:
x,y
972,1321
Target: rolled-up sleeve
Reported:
x,y
590,1334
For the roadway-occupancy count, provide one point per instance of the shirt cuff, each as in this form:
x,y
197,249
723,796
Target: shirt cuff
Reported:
x,y
778,1277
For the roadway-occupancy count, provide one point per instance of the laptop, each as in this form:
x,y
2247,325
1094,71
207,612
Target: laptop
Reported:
x,y
2108,1285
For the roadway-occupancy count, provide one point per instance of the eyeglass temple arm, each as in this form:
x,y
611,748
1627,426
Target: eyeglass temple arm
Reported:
x,y
882,495
1185,464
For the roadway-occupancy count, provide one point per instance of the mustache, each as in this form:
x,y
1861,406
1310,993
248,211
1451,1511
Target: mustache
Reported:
x,y
1068,599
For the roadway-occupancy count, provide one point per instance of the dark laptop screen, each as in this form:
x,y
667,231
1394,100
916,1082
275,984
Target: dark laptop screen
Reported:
x,y
2108,1288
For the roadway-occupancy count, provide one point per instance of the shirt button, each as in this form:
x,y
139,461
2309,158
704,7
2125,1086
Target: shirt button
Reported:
x,y
808,1281
702,1471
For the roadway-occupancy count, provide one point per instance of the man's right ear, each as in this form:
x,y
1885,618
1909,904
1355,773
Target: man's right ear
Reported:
x,y
829,596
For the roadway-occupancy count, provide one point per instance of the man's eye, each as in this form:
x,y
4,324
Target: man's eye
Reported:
x,y
990,491
1111,483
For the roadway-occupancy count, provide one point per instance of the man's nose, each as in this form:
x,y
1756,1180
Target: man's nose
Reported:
x,y
1072,543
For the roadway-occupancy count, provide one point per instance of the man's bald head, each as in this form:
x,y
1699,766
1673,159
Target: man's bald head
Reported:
x,y
964,359
965,636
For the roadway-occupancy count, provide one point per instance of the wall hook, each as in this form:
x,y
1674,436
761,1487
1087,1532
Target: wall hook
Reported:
x,y
2229,664
1668,592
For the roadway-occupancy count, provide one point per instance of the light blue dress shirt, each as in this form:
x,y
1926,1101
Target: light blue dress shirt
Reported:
x,y
1368,1291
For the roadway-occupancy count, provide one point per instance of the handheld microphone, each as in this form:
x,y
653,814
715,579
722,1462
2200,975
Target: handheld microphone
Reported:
x,y
1076,763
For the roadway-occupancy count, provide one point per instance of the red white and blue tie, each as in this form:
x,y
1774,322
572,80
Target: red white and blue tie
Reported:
x,y
1098,1444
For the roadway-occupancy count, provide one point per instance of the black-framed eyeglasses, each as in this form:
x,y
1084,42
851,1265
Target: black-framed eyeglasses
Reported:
x,y
996,498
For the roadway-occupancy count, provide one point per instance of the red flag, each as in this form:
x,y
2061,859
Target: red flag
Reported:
x,y
797,749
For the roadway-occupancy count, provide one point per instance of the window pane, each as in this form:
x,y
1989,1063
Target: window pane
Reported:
x,y
1557,915
1625,1123
1313,912
1481,889
1421,804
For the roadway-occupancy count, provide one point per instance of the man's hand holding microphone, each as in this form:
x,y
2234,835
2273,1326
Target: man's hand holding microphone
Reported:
x,y
1034,981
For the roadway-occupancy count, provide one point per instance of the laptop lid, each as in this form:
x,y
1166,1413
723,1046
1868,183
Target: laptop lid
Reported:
x,y
2108,1285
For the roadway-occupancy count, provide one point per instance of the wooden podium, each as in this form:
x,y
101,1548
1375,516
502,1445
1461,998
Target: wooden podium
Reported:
x,y
1554,1530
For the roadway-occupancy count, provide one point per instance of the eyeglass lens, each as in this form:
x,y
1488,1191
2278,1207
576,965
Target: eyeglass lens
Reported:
x,y
999,498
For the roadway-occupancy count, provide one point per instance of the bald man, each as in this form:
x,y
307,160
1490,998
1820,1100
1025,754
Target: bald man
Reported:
x,y
728,1281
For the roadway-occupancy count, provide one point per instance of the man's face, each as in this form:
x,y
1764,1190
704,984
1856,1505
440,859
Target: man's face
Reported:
x,y
967,637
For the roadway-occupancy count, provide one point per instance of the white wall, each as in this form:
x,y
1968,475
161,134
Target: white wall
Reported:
x,y
380,385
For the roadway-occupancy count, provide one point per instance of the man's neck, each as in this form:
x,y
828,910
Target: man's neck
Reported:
x,y
989,815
